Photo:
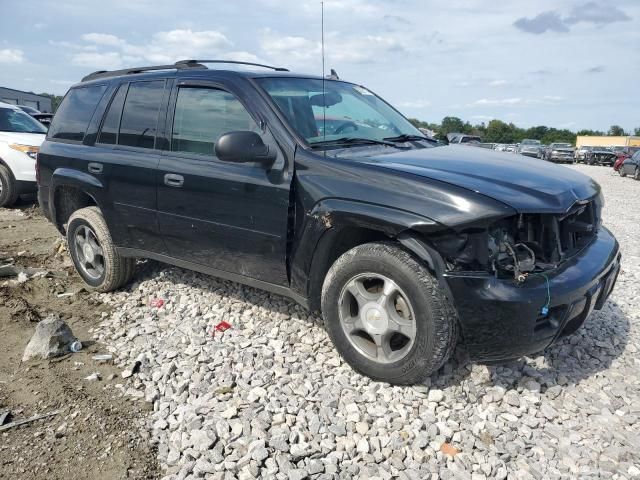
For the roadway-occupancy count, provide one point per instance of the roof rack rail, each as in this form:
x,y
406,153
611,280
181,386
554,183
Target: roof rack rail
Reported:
x,y
182,64
235,62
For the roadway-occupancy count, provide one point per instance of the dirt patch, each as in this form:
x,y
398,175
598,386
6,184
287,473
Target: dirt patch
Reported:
x,y
98,432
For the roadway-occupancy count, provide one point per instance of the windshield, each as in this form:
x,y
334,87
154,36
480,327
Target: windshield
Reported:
x,y
530,142
561,145
17,121
346,111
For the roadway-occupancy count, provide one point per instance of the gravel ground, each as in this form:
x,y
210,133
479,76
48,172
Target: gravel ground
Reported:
x,y
271,398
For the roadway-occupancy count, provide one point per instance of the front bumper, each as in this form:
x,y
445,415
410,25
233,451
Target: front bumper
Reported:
x,y
561,158
501,319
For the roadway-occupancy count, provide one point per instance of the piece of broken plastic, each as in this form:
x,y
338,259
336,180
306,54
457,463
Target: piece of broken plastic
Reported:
x,y
220,327
157,302
76,346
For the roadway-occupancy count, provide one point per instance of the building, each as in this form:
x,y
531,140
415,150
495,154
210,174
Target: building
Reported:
x,y
607,141
28,99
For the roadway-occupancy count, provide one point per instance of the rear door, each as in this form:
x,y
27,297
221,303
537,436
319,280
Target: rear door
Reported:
x,y
227,216
126,157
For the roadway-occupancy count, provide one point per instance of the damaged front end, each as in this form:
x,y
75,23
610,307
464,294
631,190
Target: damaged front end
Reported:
x,y
527,243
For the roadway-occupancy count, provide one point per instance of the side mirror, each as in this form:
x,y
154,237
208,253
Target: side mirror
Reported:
x,y
244,146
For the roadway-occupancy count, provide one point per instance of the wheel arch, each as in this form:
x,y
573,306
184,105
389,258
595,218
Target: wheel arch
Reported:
x,y
71,190
336,226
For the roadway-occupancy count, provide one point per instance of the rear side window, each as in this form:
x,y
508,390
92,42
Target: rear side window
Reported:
x,y
111,125
75,112
140,115
203,115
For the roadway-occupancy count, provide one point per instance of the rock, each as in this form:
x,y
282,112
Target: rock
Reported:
x,y
94,377
435,395
202,440
52,338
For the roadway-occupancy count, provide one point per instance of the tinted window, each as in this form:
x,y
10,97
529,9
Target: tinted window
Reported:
x,y
111,124
140,114
75,112
203,115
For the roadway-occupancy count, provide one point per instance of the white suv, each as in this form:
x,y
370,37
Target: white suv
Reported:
x,y
20,139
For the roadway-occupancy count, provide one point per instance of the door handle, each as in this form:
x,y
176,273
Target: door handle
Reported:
x,y
173,180
94,168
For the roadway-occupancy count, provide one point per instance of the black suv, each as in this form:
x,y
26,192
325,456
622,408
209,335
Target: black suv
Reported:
x,y
406,245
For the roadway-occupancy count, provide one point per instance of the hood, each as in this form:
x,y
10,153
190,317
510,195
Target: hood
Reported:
x,y
526,184
31,139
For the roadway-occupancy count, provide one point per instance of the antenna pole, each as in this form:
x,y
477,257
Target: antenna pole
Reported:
x,y
324,102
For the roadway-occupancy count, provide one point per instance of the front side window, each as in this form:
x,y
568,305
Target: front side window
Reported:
x,y
203,115
344,111
17,121
74,113
139,120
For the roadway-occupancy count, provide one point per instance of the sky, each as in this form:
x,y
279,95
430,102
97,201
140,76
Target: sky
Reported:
x,y
564,63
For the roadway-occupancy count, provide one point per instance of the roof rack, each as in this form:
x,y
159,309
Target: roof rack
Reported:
x,y
180,65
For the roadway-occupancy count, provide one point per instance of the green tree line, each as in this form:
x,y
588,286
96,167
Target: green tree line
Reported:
x,y
497,131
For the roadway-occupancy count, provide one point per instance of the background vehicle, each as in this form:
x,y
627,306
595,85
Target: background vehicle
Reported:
x,y
631,166
622,153
530,148
559,152
581,153
463,138
43,118
600,156
400,241
20,138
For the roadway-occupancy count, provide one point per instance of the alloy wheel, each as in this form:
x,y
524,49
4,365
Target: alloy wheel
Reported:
x,y
88,252
377,317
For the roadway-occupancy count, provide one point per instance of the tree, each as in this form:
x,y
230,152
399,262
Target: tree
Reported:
x,y
636,132
616,131
55,100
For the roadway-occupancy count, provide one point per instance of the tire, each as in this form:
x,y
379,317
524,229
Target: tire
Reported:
x,y
435,323
8,191
116,271
621,171
636,174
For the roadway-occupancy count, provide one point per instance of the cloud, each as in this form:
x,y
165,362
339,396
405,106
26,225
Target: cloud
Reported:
x,y
290,47
11,55
596,69
162,47
103,61
514,101
590,12
598,14
499,102
415,104
498,83
541,23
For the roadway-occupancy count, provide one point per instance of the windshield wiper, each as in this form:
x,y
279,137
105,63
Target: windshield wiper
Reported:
x,y
408,138
354,141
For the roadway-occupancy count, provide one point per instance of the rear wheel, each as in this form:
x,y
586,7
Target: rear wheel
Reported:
x,y
8,190
94,254
636,174
387,315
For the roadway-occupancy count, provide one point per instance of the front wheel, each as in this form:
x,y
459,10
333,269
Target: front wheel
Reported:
x,y
387,315
636,174
93,252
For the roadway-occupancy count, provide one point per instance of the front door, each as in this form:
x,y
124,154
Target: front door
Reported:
x,y
227,216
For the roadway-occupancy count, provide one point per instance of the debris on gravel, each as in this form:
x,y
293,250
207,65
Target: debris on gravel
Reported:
x,y
271,397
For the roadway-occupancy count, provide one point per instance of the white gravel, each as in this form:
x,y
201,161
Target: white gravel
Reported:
x,y
271,398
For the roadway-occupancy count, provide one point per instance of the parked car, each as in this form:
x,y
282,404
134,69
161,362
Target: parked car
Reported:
x,y
622,153
404,244
511,148
600,156
559,153
463,138
20,138
581,153
43,118
631,166
530,148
